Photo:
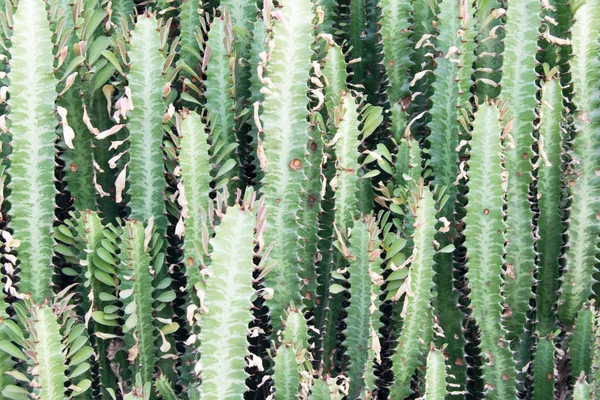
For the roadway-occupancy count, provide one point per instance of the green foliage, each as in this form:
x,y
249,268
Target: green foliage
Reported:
x,y
299,199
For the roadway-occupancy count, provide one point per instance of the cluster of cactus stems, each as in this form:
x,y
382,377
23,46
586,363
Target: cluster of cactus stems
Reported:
x,y
313,199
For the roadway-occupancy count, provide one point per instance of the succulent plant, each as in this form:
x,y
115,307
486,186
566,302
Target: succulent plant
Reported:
x,y
299,199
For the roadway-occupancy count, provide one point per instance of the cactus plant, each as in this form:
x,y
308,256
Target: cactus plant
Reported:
x,y
299,199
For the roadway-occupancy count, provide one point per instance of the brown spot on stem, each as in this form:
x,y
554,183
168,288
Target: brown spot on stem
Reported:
x,y
295,164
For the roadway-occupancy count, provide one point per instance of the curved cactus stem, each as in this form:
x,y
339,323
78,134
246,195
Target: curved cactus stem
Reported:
x,y
363,320
195,168
362,31
228,301
581,256
122,10
243,16
328,388
146,80
417,332
32,95
484,241
286,135
220,94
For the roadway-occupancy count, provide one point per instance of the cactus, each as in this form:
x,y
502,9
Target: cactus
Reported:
x,y
225,318
487,188
583,180
32,132
299,199
285,131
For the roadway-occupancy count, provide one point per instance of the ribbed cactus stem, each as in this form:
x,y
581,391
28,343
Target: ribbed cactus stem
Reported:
x,y
145,170
226,301
363,321
582,176
32,95
435,376
417,333
484,241
519,90
284,146
194,191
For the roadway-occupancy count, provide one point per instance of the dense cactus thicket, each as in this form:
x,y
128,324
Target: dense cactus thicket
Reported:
x,y
300,199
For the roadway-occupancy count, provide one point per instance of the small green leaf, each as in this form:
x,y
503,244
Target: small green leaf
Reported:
x,y
104,277
447,249
228,166
11,350
110,56
82,355
80,369
336,288
166,297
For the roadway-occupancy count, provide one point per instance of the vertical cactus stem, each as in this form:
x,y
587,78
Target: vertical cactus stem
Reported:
x,y
146,81
328,312
194,191
289,362
191,41
220,94
582,341
396,39
484,241
286,135
346,144
582,390
32,96
519,90
435,375
551,137
6,361
595,369
49,342
135,291
543,368
363,319
451,94
417,333
488,62
551,229
583,176
227,300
